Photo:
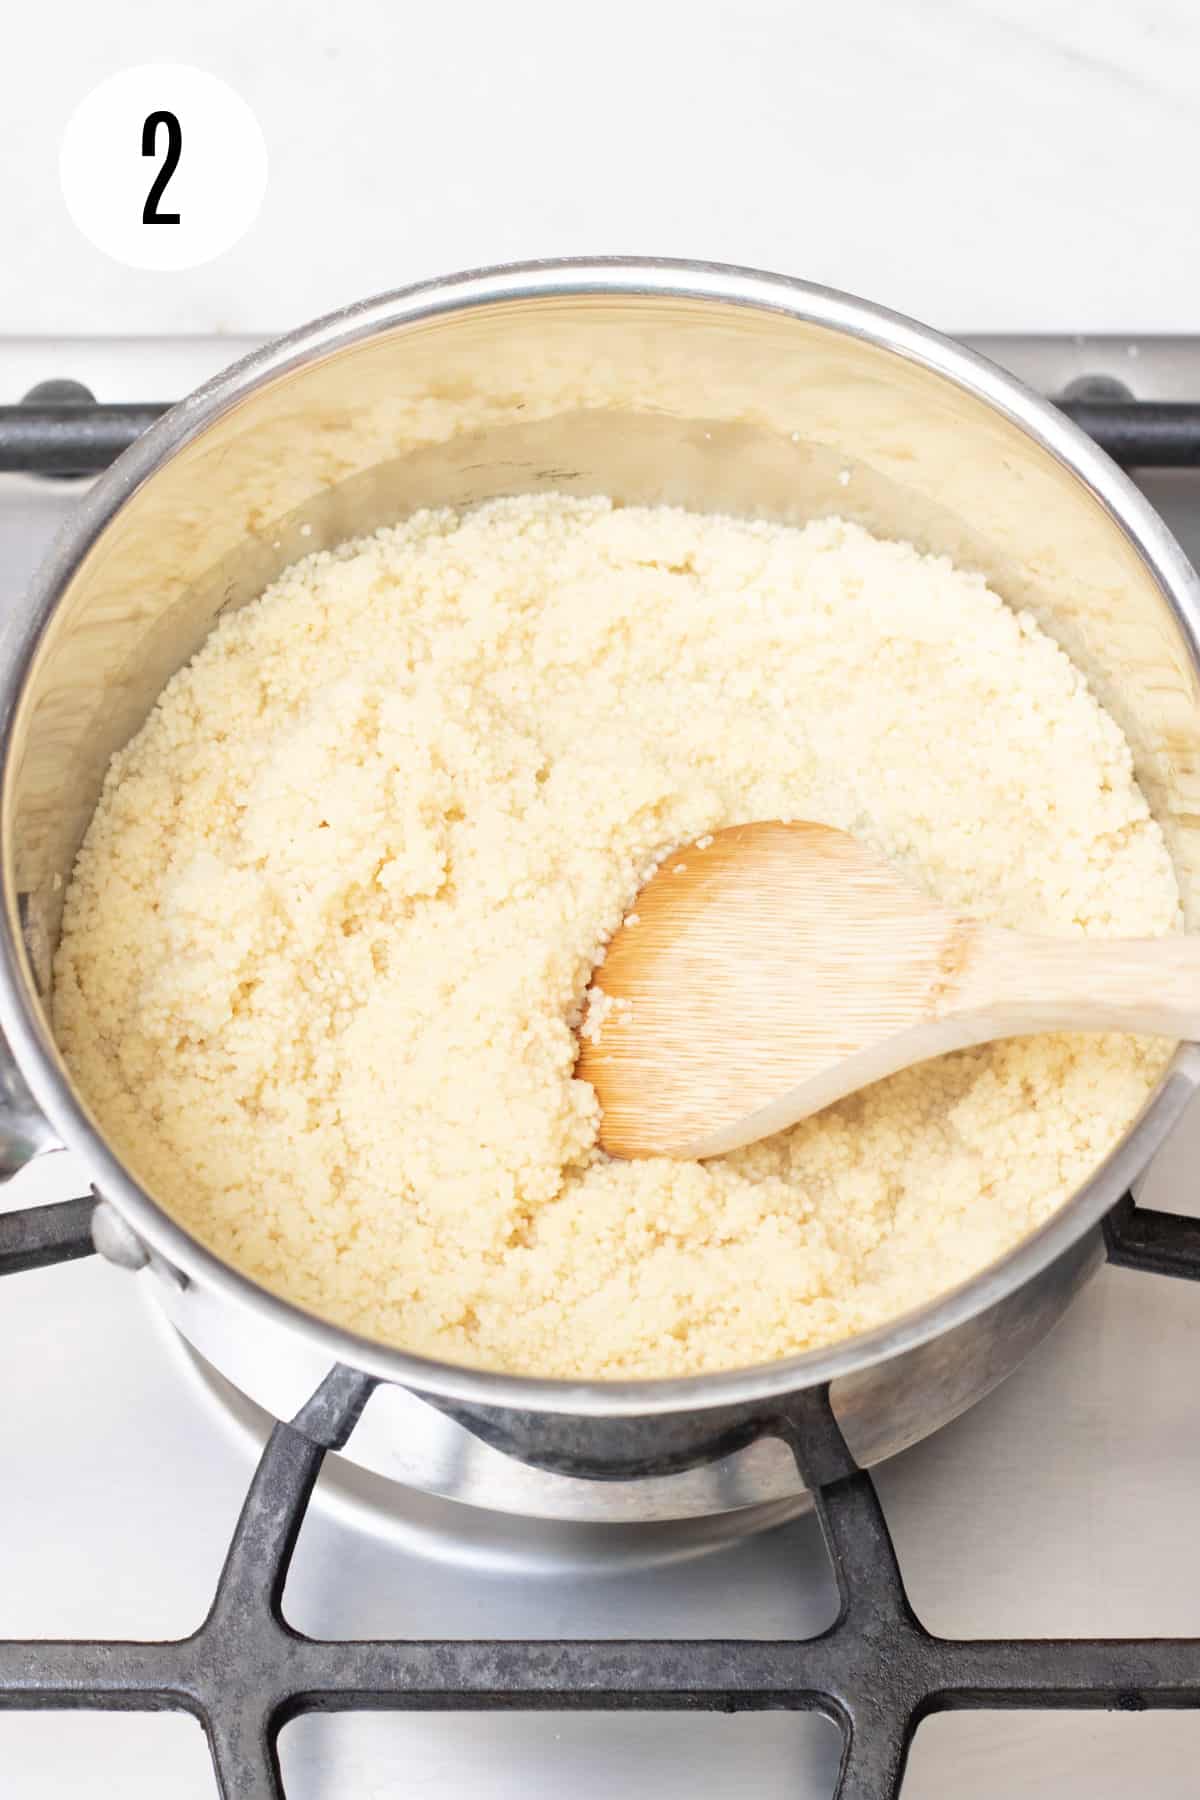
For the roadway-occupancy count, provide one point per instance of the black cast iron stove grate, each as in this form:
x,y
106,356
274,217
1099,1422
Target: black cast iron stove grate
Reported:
x,y
60,429
877,1672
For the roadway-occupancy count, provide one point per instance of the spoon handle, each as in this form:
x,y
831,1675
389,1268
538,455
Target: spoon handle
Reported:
x,y
1018,984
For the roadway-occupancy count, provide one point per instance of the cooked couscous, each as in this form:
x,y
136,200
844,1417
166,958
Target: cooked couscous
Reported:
x,y
328,939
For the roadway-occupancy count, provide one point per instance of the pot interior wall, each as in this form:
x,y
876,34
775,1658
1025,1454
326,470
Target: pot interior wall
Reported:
x,y
648,399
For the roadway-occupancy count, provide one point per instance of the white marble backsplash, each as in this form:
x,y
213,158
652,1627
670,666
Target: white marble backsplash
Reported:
x,y
1000,165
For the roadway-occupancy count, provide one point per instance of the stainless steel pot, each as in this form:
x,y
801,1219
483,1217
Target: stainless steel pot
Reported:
x,y
653,381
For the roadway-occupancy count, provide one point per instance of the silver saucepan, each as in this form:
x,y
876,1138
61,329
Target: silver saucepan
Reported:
x,y
655,382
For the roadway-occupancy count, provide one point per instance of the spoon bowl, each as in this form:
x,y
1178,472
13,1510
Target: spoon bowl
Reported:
x,y
773,968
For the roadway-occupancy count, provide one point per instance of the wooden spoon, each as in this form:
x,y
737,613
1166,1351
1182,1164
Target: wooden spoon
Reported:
x,y
771,969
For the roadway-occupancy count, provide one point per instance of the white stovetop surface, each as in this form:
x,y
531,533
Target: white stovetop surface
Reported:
x,y
1008,164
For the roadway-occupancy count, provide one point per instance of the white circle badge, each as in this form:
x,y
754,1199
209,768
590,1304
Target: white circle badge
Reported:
x,y
163,166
